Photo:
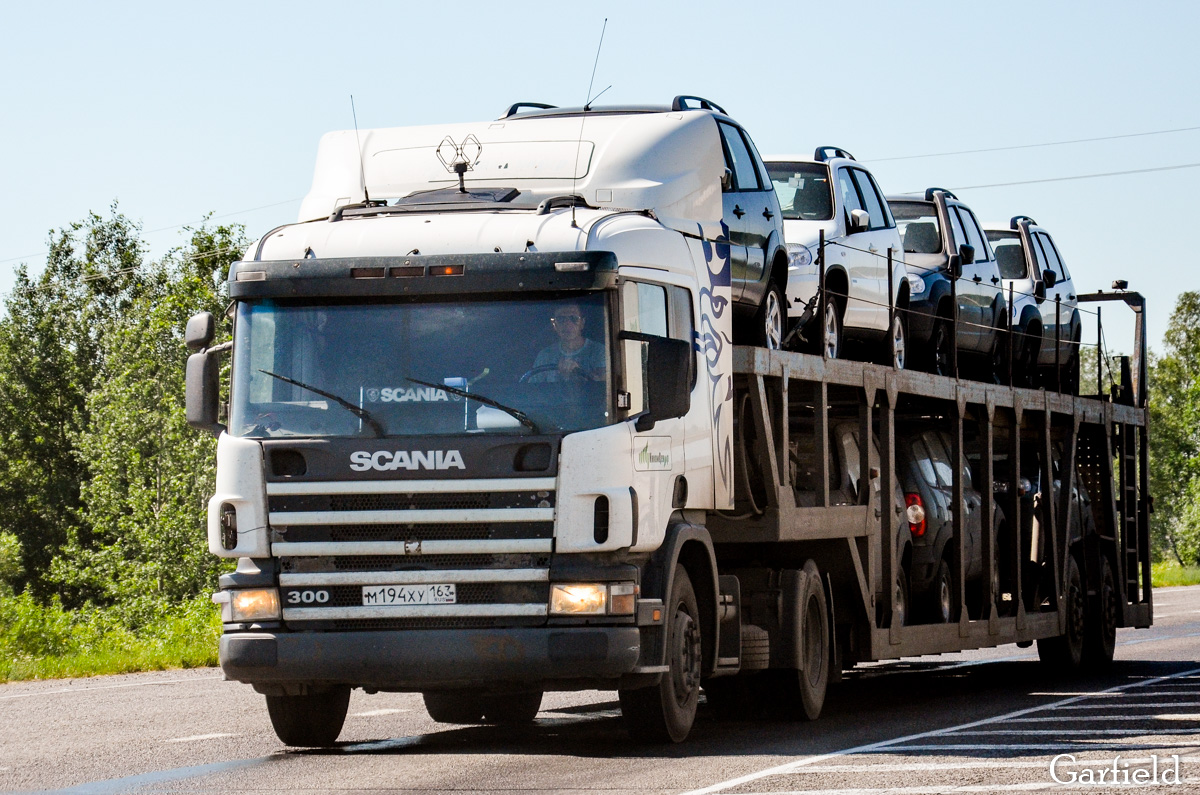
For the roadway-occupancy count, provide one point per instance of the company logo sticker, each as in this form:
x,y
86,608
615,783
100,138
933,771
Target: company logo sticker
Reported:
x,y
400,394
652,453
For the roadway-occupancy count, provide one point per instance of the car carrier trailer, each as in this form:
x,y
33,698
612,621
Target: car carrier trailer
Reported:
x,y
417,501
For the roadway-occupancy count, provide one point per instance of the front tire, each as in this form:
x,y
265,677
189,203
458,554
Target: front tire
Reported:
x,y
831,330
941,344
895,348
665,712
770,322
941,595
459,706
313,720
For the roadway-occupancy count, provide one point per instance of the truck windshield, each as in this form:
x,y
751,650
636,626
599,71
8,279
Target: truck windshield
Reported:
x,y
400,369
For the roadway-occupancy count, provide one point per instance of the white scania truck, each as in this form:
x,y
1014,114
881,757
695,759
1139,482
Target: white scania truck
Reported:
x,y
486,435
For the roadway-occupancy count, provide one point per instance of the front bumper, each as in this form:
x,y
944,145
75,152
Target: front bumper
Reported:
x,y
432,659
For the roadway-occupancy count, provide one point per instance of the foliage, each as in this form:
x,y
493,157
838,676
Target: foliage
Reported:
x,y
1167,573
1175,435
10,562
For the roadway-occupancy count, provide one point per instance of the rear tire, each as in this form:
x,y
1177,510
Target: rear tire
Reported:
x,y
665,712
941,595
1064,653
770,322
941,343
1100,622
459,706
510,709
313,720
831,330
803,691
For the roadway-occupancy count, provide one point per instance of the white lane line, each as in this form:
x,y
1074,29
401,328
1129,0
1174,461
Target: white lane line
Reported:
x,y
197,737
1080,745
966,764
951,789
896,741
1178,716
1128,706
1093,718
374,713
1088,732
205,679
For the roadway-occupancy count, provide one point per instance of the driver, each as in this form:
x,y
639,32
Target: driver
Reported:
x,y
574,357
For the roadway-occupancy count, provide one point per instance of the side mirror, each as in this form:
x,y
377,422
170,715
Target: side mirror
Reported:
x,y
955,266
860,221
203,391
200,331
727,180
967,253
1050,278
669,377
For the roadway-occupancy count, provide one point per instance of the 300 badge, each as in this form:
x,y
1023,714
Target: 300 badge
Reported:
x,y
307,597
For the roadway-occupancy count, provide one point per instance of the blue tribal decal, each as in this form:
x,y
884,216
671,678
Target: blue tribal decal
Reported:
x,y
715,345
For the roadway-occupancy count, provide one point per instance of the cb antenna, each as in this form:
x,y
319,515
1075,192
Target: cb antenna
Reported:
x,y
362,172
587,105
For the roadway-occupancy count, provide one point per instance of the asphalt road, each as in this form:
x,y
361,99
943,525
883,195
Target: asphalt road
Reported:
x,y
986,721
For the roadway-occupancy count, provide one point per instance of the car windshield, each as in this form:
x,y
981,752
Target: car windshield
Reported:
x,y
328,369
803,190
1010,254
918,225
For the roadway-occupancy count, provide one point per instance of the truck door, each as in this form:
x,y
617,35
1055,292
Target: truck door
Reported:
x,y
746,255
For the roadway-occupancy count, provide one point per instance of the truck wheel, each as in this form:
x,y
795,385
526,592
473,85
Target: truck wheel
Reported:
x,y
1064,653
512,708
665,712
313,720
770,323
804,690
1100,622
462,706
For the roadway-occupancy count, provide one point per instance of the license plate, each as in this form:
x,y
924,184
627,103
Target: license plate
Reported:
x,y
408,595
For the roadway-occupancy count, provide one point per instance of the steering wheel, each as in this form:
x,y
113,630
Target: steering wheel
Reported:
x,y
541,368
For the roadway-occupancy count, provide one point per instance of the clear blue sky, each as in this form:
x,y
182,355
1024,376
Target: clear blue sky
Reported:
x,y
217,107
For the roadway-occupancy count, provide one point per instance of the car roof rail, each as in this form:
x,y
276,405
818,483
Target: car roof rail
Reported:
x,y
517,106
823,153
929,194
1017,219
681,103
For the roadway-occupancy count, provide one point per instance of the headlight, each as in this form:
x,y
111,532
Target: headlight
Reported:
x,y
260,604
798,256
916,285
593,599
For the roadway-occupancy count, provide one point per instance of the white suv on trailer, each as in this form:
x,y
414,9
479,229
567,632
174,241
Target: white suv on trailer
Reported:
x,y
831,192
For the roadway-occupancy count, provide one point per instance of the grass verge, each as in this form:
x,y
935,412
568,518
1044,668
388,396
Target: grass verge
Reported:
x,y
46,641
1169,573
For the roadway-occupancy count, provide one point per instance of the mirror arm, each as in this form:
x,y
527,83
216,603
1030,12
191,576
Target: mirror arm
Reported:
x,y
644,422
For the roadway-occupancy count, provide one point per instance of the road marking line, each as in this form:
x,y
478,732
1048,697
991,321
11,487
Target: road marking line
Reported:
x,y
1080,745
111,687
950,789
1178,716
1127,706
1088,732
895,742
196,737
1092,718
374,713
965,764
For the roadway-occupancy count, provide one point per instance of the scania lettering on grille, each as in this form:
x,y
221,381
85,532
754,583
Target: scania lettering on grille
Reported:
x,y
383,460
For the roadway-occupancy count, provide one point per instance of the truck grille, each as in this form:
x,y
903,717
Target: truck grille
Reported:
x,y
491,539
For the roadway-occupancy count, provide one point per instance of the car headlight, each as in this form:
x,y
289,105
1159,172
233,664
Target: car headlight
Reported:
x,y
258,604
798,256
916,285
593,599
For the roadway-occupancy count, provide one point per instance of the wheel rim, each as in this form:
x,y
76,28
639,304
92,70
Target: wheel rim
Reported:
x,y
941,349
899,354
814,642
901,606
831,330
944,600
685,668
773,321
1075,611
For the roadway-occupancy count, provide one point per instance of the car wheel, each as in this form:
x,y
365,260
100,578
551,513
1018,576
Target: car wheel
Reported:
x,y
900,611
460,706
941,595
1100,622
665,712
512,708
803,692
831,330
312,720
941,344
770,323
1025,366
1064,653
895,347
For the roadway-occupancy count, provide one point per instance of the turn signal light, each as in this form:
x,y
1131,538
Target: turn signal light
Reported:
x,y
915,509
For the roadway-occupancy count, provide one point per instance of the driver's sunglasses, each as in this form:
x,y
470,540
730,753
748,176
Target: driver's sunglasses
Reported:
x,y
567,319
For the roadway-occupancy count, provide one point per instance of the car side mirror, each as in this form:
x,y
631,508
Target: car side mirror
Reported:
x,y
200,331
967,253
727,180
202,397
860,221
1050,278
669,377
955,266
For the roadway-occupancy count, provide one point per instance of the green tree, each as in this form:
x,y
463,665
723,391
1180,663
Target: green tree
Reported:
x,y
1175,434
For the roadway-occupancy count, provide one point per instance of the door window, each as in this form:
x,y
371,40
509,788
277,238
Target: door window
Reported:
x,y
745,173
872,201
849,194
956,227
644,311
1056,264
974,235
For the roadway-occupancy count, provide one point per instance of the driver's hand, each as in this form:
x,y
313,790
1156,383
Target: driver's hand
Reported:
x,y
568,369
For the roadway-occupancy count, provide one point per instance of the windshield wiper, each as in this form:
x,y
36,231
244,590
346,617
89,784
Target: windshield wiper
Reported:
x,y
516,414
357,411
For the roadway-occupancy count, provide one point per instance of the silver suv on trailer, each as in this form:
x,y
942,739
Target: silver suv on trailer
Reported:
x,y
1044,306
